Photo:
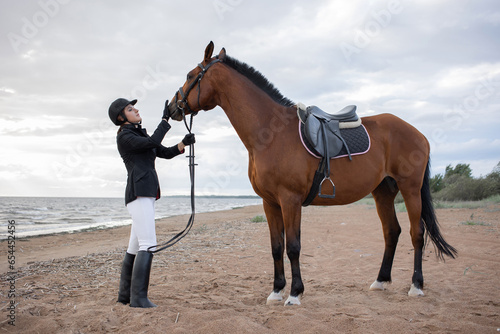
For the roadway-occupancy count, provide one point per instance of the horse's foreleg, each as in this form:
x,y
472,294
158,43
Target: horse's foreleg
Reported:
x,y
276,229
384,196
291,216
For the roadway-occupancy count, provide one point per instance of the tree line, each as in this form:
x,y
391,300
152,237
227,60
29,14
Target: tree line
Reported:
x,y
458,184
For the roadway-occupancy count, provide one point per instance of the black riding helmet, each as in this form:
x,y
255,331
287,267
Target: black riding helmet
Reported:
x,y
116,109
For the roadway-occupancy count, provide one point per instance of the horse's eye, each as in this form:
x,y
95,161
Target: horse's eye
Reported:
x,y
189,77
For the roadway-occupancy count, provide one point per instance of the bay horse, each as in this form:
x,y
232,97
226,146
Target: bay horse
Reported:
x,y
281,171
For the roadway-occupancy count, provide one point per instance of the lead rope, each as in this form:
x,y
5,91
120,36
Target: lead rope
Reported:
x,y
179,236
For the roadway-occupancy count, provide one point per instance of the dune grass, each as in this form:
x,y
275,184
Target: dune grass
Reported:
x,y
258,219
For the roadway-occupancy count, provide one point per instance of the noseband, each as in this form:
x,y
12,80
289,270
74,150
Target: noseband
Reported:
x,y
183,104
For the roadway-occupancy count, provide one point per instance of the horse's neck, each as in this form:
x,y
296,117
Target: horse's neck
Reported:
x,y
254,115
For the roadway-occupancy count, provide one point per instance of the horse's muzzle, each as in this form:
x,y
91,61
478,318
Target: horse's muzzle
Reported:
x,y
175,111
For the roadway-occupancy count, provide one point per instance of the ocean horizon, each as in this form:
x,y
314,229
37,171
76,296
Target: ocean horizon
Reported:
x,y
35,216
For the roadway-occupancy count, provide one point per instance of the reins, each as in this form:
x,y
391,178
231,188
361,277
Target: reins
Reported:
x,y
182,104
179,236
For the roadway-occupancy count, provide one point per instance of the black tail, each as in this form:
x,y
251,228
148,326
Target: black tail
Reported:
x,y
430,222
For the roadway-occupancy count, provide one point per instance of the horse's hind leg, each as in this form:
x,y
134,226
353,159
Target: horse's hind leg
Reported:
x,y
384,196
413,202
276,229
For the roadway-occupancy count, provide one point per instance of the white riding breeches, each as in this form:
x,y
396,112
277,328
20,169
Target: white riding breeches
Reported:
x,y
142,233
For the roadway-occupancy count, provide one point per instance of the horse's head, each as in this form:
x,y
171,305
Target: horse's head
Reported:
x,y
196,94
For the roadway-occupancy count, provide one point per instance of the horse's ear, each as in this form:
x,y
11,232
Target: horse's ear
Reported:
x,y
208,51
222,54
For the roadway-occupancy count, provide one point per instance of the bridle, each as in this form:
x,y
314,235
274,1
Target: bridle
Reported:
x,y
176,238
183,104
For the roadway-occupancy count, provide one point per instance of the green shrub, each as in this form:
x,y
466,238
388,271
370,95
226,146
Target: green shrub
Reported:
x,y
258,219
436,183
458,185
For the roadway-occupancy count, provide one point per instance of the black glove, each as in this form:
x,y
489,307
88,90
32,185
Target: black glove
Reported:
x,y
166,112
189,139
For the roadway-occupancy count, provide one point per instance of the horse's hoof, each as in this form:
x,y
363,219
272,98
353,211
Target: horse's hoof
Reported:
x,y
275,297
377,286
414,292
292,301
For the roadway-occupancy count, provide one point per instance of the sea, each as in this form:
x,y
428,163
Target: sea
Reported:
x,y
34,216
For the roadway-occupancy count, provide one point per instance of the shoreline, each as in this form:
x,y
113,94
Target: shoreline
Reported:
x,y
70,241
49,216
70,231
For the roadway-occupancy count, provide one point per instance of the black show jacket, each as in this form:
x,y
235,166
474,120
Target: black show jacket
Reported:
x,y
139,151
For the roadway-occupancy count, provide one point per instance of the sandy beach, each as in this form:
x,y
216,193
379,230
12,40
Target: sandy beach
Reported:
x,y
217,279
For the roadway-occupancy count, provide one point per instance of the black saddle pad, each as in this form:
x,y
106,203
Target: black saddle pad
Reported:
x,y
357,139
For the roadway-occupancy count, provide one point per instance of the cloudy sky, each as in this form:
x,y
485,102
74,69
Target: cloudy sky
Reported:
x,y
433,63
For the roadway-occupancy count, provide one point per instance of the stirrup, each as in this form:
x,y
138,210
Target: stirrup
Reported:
x,y
321,184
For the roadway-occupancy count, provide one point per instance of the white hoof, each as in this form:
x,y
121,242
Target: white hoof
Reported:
x,y
378,286
292,301
414,292
275,297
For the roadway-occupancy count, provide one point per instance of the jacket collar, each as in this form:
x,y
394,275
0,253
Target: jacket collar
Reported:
x,y
132,126
136,128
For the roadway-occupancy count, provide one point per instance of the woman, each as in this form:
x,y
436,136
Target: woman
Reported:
x,y
139,151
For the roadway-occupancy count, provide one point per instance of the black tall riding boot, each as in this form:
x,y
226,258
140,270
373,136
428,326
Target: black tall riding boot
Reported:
x,y
140,280
125,278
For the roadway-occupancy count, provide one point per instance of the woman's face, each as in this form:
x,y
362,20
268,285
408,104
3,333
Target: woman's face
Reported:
x,y
132,114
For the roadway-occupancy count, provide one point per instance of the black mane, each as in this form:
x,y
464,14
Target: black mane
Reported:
x,y
259,80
